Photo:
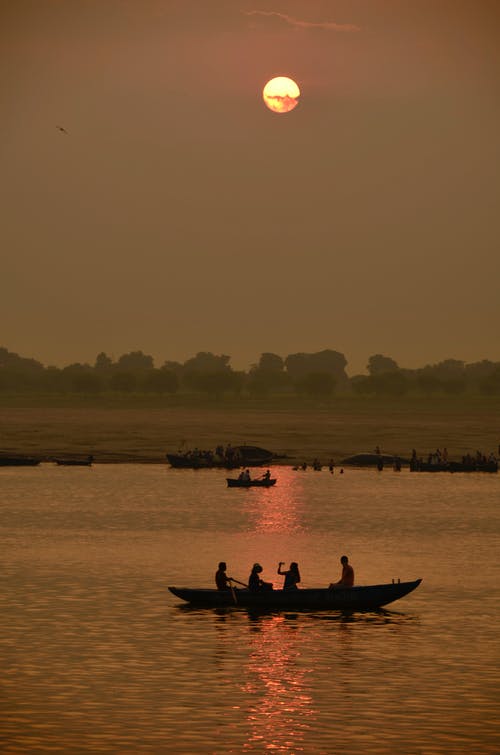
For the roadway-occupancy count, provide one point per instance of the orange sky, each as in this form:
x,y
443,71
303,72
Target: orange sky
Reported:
x,y
179,214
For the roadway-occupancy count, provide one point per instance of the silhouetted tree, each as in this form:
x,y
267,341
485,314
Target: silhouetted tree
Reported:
x,y
428,383
54,380
160,381
268,375
135,361
205,361
11,360
333,362
320,384
123,381
103,362
363,385
175,367
216,383
81,378
390,384
271,362
490,385
379,364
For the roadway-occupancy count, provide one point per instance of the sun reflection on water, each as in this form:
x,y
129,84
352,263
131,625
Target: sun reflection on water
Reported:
x,y
280,508
276,679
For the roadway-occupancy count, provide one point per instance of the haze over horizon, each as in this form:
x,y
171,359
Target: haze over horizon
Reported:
x,y
174,213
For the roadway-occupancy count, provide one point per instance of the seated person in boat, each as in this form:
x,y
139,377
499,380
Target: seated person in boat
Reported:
x,y
267,475
255,582
221,579
292,575
347,577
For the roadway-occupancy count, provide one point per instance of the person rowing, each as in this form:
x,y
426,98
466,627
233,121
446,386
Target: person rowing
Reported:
x,y
222,581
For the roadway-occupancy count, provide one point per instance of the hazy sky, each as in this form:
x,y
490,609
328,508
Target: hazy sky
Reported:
x,y
178,214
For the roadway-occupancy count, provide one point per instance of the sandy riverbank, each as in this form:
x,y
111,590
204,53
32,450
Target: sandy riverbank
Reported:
x,y
298,432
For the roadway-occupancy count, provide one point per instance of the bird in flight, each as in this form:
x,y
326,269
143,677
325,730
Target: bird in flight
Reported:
x,y
62,129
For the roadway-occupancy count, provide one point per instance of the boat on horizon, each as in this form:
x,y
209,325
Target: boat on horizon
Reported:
x,y
235,457
19,461
454,466
87,462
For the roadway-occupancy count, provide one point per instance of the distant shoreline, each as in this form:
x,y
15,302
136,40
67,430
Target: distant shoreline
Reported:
x,y
299,432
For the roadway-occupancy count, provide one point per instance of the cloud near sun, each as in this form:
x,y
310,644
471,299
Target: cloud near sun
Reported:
x,y
298,23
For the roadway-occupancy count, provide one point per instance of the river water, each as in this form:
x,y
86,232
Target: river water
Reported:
x,y
96,655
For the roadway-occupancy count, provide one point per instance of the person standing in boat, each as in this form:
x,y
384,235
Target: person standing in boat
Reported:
x,y
347,577
292,575
221,579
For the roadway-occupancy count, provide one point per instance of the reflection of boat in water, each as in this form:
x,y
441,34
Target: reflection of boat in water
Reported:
x,y
18,461
362,598
240,456
259,483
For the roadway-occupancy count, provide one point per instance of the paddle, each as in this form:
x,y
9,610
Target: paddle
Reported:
x,y
233,591
238,583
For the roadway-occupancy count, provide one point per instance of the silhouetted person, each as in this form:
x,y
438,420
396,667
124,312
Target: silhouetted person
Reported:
x,y
255,582
292,575
347,577
221,579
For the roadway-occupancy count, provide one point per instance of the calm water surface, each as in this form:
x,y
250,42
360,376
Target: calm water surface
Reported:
x,y
97,656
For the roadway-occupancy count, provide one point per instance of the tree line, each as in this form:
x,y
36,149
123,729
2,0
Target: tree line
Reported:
x,y
318,374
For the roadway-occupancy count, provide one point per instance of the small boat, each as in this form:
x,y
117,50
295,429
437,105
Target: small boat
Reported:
x,y
362,598
18,461
454,466
75,462
262,482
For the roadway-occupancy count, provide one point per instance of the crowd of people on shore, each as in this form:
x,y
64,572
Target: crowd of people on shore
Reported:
x,y
291,575
440,458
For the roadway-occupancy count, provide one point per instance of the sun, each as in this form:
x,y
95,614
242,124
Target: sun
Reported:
x,y
281,94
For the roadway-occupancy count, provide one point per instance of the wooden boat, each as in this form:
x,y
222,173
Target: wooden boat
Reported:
x,y
362,598
258,483
242,456
18,461
454,466
75,462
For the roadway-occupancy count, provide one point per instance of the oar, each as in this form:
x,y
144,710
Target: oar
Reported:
x,y
233,593
238,583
